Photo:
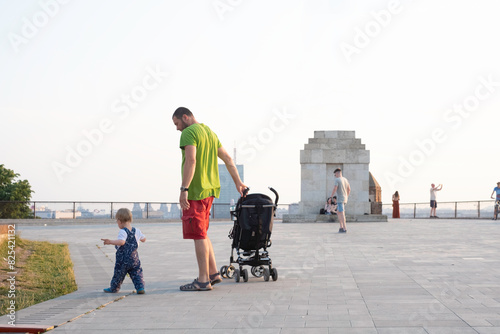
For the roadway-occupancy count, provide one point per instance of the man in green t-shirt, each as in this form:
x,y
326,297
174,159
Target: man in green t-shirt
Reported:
x,y
200,184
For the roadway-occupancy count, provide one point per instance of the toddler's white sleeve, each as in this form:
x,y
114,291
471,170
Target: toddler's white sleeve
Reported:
x,y
122,235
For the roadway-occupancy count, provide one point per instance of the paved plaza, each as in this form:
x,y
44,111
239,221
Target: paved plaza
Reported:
x,y
403,276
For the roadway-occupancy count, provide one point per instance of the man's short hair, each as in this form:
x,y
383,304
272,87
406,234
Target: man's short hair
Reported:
x,y
337,170
124,215
182,111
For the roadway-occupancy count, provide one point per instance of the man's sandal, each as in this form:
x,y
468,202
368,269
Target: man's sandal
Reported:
x,y
196,286
215,278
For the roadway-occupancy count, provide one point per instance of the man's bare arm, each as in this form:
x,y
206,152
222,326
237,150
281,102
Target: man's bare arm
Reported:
x,y
187,174
231,168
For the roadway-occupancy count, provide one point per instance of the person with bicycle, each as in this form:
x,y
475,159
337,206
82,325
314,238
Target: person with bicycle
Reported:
x,y
497,200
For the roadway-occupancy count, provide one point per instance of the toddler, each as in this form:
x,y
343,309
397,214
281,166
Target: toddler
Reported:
x,y
127,257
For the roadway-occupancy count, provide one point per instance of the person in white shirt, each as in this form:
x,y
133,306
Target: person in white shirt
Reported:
x,y
434,189
343,190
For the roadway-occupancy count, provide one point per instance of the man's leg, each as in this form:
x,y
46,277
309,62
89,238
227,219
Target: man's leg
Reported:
x,y
206,259
202,248
195,222
202,283
341,216
212,265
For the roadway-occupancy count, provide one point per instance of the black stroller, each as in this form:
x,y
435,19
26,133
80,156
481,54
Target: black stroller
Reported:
x,y
253,223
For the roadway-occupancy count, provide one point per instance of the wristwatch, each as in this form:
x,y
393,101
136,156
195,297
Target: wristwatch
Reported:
x,y
184,189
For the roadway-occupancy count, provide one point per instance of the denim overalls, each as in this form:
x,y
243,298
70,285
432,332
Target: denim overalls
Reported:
x,y
127,261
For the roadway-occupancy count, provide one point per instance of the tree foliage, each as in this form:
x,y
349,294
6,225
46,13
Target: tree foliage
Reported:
x,y
16,192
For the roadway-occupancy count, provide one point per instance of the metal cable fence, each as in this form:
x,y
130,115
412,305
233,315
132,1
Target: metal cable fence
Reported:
x,y
464,210
172,211
107,210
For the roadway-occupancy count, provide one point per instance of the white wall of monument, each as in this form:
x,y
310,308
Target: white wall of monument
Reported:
x,y
324,153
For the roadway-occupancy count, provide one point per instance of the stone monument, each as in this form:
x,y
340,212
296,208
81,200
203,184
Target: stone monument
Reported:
x,y
324,153
375,196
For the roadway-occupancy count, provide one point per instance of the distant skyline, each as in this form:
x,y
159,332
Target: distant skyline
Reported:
x,y
88,89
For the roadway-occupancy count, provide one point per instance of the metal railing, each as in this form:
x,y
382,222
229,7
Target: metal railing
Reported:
x,y
461,209
107,210
172,211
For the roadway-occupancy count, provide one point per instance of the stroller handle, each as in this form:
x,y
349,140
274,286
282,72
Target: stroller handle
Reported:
x,y
276,194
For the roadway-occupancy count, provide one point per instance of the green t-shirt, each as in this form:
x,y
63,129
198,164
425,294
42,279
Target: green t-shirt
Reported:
x,y
205,181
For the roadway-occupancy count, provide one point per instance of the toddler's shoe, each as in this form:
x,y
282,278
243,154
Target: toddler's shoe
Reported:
x,y
108,290
141,291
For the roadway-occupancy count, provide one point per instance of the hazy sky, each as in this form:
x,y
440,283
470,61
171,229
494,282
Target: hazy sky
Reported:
x,y
88,88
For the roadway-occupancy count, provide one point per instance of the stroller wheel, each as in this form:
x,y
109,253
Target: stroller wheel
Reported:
x,y
244,274
223,271
257,271
274,274
266,274
236,275
230,272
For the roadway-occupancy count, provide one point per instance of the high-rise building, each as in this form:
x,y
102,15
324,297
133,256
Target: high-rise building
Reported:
x,y
175,211
228,193
137,211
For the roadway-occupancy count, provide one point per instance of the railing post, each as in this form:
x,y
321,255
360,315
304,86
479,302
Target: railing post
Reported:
x,y
74,210
414,210
111,210
34,210
147,211
478,209
456,210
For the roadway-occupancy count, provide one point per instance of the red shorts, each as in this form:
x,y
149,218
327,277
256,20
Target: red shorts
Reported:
x,y
195,220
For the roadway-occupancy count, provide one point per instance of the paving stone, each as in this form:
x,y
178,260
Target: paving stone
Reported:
x,y
404,276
